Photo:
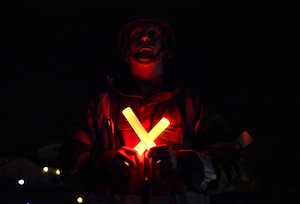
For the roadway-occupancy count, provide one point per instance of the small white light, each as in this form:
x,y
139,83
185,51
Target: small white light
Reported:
x,y
21,182
57,172
45,169
79,199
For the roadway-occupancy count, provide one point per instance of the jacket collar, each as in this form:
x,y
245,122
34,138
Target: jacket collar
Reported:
x,y
126,86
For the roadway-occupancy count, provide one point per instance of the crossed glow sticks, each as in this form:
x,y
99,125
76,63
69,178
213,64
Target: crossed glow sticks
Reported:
x,y
147,138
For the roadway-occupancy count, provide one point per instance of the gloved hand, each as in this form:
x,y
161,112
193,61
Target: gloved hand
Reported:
x,y
124,159
177,168
163,159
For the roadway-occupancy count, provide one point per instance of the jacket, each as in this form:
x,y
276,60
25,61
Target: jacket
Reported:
x,y
214,165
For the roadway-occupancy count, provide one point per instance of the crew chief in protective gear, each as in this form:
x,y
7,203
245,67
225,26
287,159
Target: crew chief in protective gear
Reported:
x,y
197,155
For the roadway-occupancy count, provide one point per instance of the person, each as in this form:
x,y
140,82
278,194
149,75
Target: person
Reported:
x,y
195,155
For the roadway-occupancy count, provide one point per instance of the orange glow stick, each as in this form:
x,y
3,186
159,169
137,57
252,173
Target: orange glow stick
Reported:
x,y
147,139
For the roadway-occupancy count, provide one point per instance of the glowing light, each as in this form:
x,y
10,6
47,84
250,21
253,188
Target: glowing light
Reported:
x,y
21,182
57,172
45,169
153,134
79,199
147,139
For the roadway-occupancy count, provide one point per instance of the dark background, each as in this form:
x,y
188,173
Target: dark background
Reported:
x,y
243,55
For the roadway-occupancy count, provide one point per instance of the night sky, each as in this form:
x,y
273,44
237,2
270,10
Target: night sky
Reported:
x,y
244,55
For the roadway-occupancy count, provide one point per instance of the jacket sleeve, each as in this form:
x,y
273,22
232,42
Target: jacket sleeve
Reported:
x,y
216,165
82,159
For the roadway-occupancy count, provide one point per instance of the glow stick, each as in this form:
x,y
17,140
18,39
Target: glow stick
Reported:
x,y
147,139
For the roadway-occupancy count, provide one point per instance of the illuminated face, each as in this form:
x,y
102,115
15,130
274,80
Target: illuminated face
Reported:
x,y
145,41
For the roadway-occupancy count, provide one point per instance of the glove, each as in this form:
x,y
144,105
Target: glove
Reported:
x,y
163,159
177,168
124,159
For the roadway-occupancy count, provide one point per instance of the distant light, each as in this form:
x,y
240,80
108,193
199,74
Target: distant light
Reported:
x,y
21,182
79,199
57,172
45,169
